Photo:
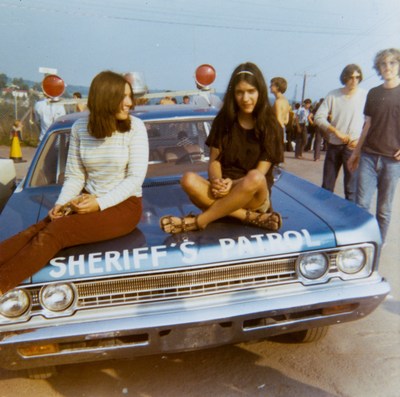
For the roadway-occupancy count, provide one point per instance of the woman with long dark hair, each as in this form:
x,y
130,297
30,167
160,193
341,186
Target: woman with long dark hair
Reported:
x,y
101,196
245,141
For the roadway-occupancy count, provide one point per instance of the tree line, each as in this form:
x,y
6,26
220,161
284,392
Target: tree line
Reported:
x,y
22,84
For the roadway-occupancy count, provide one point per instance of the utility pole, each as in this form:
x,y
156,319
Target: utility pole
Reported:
x,y
305,75
295,95
15,95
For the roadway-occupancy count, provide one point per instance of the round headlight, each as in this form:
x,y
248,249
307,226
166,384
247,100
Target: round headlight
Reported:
x,y
313,266
15,303
351,261
57,297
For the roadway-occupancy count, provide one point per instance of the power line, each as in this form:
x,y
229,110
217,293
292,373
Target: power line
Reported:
x,y
303,29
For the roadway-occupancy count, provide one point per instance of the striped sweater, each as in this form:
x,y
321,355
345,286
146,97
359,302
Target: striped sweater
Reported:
x,y
112,168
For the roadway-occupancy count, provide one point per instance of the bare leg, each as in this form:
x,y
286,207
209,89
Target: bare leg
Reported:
x,y
248,193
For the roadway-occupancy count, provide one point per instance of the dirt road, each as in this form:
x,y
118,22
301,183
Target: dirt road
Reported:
x,y
359,359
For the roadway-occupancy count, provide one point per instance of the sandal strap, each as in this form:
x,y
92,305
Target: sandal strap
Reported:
x,y
182,225
192,226
265,224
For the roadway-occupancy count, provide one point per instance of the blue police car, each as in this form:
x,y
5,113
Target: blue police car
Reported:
x,y
149,292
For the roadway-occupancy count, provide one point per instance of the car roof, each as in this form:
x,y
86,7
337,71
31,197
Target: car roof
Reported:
x,y
148,112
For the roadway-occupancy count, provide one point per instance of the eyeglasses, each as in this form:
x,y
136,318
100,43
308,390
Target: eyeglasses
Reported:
x,y
354,77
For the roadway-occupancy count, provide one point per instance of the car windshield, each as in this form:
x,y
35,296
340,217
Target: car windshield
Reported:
x,y
175,147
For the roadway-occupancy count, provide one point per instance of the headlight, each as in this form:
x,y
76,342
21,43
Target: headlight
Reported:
x,y
351,261
57,297
15,303
313,266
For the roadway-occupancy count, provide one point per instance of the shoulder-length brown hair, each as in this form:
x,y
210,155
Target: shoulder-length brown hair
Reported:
x,y
106,94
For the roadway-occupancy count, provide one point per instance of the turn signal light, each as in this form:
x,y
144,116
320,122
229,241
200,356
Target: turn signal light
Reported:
x,y
38,350
339,309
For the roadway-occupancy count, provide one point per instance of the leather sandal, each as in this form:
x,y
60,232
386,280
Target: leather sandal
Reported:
x,y
179,225
266,220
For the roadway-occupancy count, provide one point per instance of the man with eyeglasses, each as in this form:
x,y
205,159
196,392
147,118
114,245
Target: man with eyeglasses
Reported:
x,y
341,117
377,155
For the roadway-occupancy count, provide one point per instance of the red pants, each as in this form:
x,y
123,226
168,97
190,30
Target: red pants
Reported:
x,y
27,252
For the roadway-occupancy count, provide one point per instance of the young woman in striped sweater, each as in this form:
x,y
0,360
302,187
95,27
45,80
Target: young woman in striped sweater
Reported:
x,y
106,166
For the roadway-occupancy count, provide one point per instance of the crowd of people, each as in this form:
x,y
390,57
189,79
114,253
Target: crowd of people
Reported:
x,y
361,130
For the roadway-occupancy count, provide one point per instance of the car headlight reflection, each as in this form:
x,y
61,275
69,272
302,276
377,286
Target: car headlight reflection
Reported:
x,y
15,303
351,261
57,297
313,266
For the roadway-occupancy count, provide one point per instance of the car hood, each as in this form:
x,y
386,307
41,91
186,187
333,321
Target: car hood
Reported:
x,y
312,219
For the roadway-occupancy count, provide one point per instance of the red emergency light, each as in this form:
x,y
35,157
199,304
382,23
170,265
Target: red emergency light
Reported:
x,y
53,86
205,75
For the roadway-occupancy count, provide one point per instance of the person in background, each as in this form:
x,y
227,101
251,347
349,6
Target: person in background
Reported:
x,y
80,106
17,130
341,117
167,100
205,98
245,142
302,119
281,106
101,196
290,131
45,112
186,100
295,123
377,154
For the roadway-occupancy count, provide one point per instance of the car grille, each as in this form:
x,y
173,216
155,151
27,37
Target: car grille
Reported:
x,y
186,283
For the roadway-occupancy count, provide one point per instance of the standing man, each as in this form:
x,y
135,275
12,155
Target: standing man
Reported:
x,y
343,108
281,106
377,155
205,98
302,120
80,105
46,111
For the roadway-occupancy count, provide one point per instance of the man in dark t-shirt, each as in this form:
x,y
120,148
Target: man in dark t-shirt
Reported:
x,y
378,151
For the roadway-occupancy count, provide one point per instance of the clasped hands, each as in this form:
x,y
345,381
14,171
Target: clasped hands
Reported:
x,y
220,187
83,204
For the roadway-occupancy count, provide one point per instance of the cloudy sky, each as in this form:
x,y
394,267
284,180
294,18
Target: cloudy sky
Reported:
x,y
167,40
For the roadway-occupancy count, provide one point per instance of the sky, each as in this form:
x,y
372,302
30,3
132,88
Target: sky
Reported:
x,y
308,42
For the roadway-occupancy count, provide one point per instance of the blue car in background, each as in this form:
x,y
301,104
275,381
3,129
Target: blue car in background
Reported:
x,y
150,293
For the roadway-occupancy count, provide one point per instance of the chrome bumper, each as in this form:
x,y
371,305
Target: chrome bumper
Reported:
x,y
191,324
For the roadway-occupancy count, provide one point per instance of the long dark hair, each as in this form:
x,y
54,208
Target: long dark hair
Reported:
x,y
267,127
104,101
